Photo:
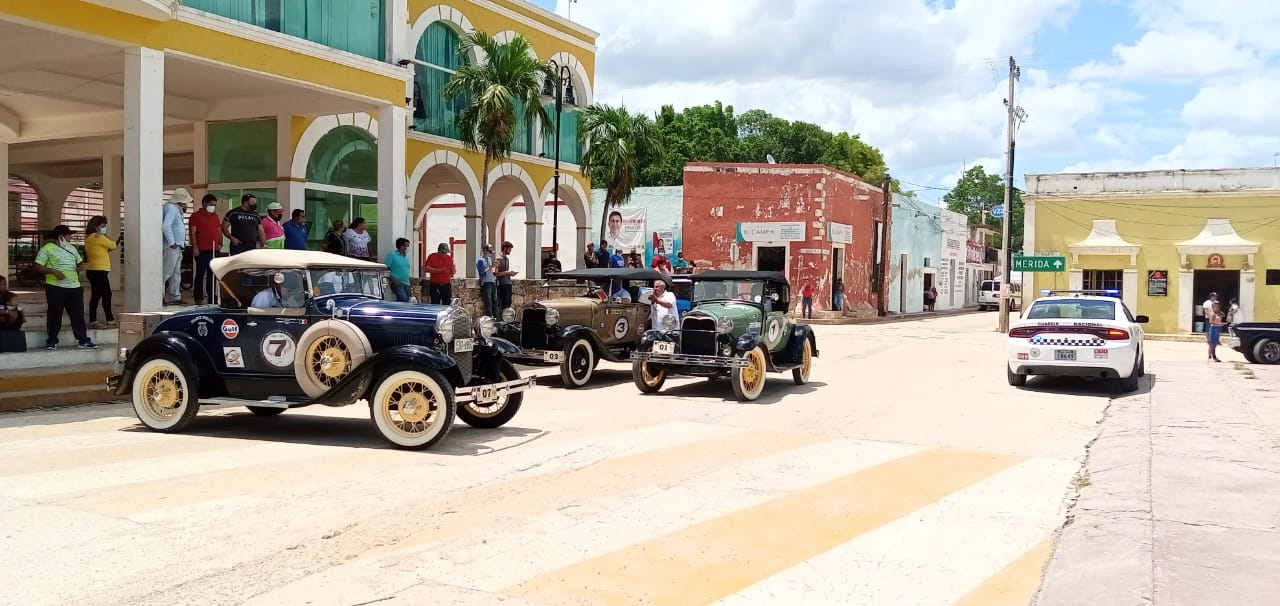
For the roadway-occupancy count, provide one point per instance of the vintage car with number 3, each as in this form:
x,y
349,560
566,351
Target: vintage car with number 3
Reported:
x,y
577,332
737,326
297,328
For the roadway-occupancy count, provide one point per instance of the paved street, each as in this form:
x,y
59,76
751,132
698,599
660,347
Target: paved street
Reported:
x,y
907,473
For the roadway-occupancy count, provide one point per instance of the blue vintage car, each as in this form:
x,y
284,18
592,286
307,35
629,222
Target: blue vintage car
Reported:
x,y
296,328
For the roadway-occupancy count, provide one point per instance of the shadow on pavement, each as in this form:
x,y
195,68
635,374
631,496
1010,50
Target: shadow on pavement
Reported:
x,y
600,379
1073,386
775,390
463,440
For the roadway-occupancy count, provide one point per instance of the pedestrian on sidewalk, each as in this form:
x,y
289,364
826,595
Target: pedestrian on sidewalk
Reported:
x,y
358,239
837,296
60,262
334,242
1216,321
397,263
243,226
206,240
930,298
97,249
174,230
11,317
272,226
1234,316
504,273
295,230
806,300
488,281
440,269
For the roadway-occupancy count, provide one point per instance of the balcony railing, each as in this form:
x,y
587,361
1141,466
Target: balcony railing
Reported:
x,y
355,26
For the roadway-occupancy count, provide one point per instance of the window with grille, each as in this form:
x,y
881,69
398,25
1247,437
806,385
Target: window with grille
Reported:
x,y
1104,279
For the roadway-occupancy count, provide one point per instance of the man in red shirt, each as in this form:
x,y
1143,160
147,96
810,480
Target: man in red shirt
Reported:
x,y
441,267
206,237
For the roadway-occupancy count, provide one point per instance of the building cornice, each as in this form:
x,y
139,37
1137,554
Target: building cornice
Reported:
x,y
543,27
1166,195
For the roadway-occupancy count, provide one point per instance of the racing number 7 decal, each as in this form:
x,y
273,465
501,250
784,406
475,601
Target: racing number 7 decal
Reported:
x,y
278,349
280,345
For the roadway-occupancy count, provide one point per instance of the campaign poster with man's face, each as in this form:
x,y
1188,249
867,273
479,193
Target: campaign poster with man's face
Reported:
x,y
624,229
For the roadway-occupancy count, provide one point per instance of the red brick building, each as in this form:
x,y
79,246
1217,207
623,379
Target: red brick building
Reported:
x,y
812,222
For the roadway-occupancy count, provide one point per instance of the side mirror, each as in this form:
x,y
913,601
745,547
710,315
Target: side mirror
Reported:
x,y
1142,319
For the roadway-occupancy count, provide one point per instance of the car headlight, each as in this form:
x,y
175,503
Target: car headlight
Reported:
x,y
487,327
669,322
123,354
724,324
508,315
553,316
444,326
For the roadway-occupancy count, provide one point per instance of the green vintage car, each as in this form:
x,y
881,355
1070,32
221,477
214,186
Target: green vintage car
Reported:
x,y
737,327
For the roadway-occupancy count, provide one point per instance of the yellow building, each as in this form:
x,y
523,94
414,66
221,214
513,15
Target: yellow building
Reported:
x,y
311,104
1164,239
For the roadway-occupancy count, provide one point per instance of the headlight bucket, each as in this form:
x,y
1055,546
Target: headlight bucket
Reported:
x,y
444,326
724,324
508,315
487,327
669,322
553,316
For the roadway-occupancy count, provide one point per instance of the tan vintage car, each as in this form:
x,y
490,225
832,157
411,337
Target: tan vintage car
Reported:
x,y
577,332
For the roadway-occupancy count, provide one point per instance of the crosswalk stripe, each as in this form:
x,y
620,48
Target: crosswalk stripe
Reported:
x,y
714,559
935,554
1017,583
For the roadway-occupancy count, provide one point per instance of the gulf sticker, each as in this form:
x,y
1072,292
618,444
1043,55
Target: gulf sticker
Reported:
x,y
230,329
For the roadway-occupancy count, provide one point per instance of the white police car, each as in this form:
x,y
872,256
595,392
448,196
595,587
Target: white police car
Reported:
x,y
1078,333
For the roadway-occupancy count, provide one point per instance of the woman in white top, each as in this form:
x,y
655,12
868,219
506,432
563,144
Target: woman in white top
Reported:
x,y
358,237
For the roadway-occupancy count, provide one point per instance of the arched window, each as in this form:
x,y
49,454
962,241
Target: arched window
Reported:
x,y
438,47
342,182
570,150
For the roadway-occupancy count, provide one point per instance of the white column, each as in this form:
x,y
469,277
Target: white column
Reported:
x,y
112,172
475,238
200,162
290,193
1129,290
581,237
1248,289
1075,279
143,176
533,251
399,45
392,204
1186,290
4,210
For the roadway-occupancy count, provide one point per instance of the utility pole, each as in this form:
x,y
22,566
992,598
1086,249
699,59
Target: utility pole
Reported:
x,y
1015,115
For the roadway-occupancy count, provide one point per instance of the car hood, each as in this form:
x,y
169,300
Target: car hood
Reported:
x,y
366,308
742,314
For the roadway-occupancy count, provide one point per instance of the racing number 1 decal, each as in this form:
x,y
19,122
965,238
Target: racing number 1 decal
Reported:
x,y
278,349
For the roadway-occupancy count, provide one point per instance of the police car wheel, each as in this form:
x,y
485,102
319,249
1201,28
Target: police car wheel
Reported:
x,y
1015,379
499,413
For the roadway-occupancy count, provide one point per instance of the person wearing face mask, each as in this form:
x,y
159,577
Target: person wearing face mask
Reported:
x,y
206,237
97,249
174,230
271,227
243,226
59,261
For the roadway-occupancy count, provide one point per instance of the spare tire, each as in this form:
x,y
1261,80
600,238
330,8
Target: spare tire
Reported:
x,y
327,353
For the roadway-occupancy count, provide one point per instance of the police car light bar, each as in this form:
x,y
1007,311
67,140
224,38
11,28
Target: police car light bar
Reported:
x,y
1109,292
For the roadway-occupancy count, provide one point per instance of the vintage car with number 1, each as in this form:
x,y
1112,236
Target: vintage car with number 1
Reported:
x,y
297,328
738,327
578,332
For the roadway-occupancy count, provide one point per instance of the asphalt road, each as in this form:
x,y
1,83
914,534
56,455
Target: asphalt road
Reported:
x,y
906,473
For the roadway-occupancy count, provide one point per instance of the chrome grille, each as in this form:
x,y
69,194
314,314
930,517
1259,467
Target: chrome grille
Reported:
x,y
462,329
533,329
698,336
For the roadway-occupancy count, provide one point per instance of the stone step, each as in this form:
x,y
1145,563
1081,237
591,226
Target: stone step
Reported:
x,y
57,386
65,355
106,338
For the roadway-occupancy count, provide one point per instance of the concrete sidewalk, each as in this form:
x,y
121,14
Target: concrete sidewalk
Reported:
x,y
1179,498
890,318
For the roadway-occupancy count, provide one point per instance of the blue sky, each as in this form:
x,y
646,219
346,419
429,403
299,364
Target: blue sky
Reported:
x,y
1107,84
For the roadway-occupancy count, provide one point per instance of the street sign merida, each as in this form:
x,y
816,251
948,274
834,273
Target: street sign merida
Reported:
x,y
1049,264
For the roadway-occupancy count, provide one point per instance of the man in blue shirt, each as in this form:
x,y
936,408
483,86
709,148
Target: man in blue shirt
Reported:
x,y
602,254
295,231
174,231
398,262
488,281
615,258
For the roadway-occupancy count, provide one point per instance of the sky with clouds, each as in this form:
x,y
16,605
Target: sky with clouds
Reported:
x,y
1108,85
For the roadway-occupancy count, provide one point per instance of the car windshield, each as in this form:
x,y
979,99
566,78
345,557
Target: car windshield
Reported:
x,y
366,282
720,290
1067,309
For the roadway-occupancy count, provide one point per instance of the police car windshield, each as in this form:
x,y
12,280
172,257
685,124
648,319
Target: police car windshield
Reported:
x,y
1072,309
366,282
740,290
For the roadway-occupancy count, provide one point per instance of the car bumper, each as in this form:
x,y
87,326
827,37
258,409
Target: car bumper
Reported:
x,y
678,359
1117,362
538,355
490,392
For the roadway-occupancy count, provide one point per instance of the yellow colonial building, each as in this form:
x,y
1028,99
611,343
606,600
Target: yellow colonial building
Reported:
x,y
331,107
1163,239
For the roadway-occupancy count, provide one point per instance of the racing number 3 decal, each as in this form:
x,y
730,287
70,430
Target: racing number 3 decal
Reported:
x,y
278,349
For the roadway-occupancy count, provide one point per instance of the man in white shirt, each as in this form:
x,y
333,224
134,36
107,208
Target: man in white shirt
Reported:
x,y
663,303
1207,309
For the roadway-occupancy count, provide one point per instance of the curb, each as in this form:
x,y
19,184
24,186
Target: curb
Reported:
x,y
1183,339
925,315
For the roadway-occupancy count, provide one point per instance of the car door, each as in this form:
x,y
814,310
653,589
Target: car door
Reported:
x,y
776,330
258,343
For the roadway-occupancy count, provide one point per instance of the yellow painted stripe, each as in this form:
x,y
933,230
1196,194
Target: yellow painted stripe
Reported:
x,y
1016,584
114,453
717,558
609,478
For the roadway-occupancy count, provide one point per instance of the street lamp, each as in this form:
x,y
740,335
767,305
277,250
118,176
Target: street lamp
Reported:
x,y
557,86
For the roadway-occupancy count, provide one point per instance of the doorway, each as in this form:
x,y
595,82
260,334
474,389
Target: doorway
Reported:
x,y
1225,282
930,281
837,263
903,282
771,258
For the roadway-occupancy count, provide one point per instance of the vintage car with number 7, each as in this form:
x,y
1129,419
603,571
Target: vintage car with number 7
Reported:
x,y
738,327
577,332
297,328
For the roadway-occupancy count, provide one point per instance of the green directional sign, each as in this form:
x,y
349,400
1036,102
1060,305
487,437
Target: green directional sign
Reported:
x,y
1049,264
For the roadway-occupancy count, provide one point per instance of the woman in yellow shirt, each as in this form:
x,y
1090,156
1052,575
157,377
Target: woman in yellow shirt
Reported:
x,y
97,250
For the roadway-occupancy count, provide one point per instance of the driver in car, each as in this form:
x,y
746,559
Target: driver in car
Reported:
x,y
276,295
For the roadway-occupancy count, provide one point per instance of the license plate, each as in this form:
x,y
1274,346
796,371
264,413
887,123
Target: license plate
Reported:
x,y
553,356
464,345
487,394
1064,354
664,347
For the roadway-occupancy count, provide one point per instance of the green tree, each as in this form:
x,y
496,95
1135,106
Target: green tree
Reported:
x,y
615,141
974,196
510,77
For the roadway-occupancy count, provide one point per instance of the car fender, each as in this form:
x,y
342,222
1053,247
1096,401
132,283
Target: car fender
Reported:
x,y
747,342
186,351
364,379
800,332
572,333
649,336
498,346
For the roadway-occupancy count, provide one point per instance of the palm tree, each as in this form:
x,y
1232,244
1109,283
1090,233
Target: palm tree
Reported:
x,y
615,141
509,75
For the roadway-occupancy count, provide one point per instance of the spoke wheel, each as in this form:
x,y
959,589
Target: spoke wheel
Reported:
x,y
413,408
801,375
579,364
748,382
648,378
164,397
327,353
497,414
